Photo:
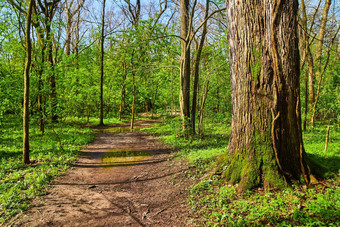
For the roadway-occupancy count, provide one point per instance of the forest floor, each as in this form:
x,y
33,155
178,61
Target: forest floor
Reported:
x,y
122,179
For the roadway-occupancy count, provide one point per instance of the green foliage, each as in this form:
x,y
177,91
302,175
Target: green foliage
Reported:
x,y
152,53
219,204
51,154
314,141
200,151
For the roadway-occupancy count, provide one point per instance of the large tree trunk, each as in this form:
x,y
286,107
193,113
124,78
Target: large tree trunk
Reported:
x,y
26,145
184,96
265,147
101,120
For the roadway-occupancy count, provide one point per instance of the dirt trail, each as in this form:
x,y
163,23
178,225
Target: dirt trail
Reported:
x,y
101,191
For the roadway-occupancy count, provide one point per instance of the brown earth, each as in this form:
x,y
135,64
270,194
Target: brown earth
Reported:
x,y
138,191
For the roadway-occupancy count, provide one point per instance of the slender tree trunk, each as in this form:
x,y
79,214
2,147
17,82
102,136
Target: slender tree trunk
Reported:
x,y
265,147
41,100
69,17
77,40
338,55
318,54
310,64
135,14
184,96
321,35
68,31
154,98
196,71
122,96
40,107
101,122
322,73
172,93
205,90
218,105
133,110
327,138
306,102
26,145
40,85
52,81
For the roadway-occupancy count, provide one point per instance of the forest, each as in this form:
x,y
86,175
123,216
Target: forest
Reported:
x,y
240,100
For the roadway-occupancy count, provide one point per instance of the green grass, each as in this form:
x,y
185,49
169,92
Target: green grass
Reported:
x,y
219,204
95,121
314,141
199,151
51,154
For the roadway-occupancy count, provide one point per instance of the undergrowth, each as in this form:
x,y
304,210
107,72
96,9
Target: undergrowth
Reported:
x,y
50,154
218,204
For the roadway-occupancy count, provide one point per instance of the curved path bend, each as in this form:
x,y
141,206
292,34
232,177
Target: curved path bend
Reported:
x,y
107,189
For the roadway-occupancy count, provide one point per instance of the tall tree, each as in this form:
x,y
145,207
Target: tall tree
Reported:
x,y
318,54
184,96
26,146
70,11
197,69
48,9
309,77
265,147
101,120
133,13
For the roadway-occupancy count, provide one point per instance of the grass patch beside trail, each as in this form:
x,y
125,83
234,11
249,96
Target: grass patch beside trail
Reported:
x,y
218,204
51,154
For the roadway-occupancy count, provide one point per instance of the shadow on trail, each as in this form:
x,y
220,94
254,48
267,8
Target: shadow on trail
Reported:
x,y
91,154
124,210
121,182
117,164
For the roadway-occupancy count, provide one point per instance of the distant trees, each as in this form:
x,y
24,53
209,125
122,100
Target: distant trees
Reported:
x,y
71,9
318,33
156,55
63,43
188,34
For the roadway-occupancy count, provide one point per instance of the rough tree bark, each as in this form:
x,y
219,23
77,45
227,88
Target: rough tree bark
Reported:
x,y
26,146
265,147
101,117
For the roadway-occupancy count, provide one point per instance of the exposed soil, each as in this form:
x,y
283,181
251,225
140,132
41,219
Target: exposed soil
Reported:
x,y
138,191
